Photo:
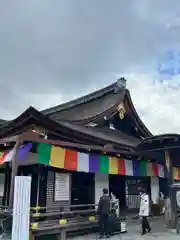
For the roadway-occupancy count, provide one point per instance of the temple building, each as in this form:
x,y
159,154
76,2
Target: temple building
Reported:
x,y
77,148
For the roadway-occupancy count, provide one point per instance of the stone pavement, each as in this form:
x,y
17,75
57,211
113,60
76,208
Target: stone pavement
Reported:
x,y
159,231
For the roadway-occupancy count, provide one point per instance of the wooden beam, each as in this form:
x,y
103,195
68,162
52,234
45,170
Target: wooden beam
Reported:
x,y
34,137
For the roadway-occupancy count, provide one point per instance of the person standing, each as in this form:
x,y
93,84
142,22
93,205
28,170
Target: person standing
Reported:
x,y
144,211
114,205
103,211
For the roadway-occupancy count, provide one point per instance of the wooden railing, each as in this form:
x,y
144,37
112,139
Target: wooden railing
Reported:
x,y
56,221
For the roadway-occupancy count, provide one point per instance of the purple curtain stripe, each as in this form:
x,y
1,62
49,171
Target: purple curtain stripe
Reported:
x,y
23,151
93,163
135,168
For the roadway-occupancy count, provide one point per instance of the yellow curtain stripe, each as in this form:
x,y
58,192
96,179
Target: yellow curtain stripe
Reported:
x,y
57,157
113,165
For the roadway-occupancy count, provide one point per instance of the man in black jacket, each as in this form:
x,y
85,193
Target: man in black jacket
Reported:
x,y
104,210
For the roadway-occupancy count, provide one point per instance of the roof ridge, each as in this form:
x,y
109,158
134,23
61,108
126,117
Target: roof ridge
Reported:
x,y
84,99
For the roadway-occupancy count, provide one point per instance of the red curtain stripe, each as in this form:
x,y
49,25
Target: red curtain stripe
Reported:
x,y
70,162
155,169
121,167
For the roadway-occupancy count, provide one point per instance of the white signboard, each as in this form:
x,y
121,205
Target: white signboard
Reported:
x,y
21,208
62,187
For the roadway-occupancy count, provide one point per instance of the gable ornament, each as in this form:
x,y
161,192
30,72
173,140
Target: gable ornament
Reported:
x,y
121,111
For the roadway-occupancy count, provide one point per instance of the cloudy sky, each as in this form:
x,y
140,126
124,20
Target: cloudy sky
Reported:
x,y
54,50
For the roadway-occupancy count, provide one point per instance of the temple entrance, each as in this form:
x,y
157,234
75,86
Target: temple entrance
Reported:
x,y
82,188
118,188
132,191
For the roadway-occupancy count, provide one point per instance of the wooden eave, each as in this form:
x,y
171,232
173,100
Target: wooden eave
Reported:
x,y
67,131
138,122
30,136
32,117
160,142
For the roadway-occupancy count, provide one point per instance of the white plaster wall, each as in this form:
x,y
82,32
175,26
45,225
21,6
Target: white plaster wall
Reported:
x,y
101,181
154,189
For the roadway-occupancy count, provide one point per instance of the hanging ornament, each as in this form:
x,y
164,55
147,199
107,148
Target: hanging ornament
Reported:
x,y
121,113
40,131
121,110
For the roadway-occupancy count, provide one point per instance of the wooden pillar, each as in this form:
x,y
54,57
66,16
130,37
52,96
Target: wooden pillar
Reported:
x,y
13,174
169,213
6,184
169,169
42,185
38,186
34,185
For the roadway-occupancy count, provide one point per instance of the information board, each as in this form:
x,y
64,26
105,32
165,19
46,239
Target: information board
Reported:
x,y
62,187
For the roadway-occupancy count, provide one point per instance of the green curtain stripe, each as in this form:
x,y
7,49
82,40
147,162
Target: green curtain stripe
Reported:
x,y
44,152
143,168
104,164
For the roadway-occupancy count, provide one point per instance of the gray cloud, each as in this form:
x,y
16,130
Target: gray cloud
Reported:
x,y
64,48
